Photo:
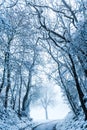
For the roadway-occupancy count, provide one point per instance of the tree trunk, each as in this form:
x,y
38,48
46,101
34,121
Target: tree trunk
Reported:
x,y
80,93
72,104
8,81
3,78
8,72
26,102
46,113
19,105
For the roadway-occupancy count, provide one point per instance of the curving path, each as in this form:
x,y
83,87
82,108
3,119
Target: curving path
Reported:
x,y
46,126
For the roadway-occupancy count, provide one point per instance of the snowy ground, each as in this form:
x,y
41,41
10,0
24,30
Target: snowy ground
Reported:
x,y
10,121
46,126
69,123
72,123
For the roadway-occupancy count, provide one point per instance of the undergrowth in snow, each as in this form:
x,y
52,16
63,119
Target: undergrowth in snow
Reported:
x,y
10,121
72,123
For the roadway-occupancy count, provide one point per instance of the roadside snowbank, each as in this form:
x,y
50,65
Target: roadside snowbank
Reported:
x,y
10,121
72,123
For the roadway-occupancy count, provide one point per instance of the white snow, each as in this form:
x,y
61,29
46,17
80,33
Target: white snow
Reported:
x,y
10,121
69,123
72,123
46,125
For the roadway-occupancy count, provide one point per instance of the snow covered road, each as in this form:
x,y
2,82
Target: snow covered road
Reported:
x,y
46,126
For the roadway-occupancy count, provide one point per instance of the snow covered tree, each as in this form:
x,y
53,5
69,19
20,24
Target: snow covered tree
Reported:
x,y
61,34
47,98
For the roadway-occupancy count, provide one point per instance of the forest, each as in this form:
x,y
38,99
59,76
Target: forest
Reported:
x,y
43,38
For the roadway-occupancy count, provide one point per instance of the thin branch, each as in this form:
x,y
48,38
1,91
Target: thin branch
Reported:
x,y
2,3
68,7
12,5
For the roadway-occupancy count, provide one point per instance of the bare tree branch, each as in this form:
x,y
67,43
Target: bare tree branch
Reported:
x,y
68,7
